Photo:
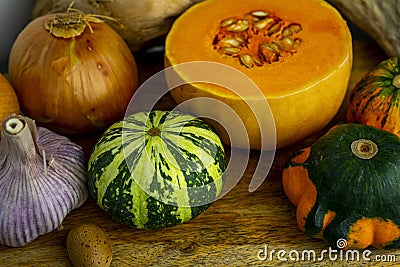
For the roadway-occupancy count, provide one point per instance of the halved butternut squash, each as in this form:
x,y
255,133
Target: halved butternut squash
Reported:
x,y
298,53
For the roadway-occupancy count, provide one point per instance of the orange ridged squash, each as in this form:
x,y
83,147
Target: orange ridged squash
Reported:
x,y
298,53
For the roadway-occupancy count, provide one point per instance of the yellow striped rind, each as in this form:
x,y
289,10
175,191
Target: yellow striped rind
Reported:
x,y
156,181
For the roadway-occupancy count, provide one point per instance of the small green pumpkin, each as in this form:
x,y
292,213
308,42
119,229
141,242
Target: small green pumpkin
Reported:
x,y
375,99
347,187
156,169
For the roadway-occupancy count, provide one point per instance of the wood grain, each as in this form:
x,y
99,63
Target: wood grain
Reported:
x,y
231,232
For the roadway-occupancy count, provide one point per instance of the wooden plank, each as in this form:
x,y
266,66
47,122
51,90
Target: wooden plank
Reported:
x,y
235,231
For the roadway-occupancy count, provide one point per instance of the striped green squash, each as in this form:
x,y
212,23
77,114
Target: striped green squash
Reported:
x,y
156,169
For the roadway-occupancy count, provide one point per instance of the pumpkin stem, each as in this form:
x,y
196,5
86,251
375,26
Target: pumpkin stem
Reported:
x,y
364,149
396,81
154,132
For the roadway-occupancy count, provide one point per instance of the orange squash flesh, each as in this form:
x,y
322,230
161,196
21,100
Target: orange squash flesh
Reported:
x,y
304,90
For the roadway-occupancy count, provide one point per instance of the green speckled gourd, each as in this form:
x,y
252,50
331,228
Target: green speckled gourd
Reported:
x,y
347,187
156,169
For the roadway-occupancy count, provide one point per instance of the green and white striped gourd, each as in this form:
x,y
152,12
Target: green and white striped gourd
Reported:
x,y
156,169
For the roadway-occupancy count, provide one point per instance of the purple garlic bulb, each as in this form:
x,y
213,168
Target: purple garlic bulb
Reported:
x,y
42,179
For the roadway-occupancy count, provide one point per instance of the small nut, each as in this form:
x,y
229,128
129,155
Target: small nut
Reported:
x,y
89,245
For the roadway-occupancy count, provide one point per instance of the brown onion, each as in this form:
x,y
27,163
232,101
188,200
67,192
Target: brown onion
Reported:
x,y
72,72
8,100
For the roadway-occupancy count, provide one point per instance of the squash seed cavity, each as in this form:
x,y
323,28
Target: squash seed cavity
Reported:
x,y
257,38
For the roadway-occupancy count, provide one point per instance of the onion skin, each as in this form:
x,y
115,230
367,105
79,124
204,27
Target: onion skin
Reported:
x,y
73,85
8,99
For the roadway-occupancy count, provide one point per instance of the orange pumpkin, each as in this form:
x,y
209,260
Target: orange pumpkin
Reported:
x,y
301,62
375,99
8,99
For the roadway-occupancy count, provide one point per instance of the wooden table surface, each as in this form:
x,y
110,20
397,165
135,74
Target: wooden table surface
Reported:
x,y
232,232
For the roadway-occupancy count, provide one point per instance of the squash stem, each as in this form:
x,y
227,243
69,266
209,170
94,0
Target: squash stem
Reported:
x,y
396,81
364,149
154,132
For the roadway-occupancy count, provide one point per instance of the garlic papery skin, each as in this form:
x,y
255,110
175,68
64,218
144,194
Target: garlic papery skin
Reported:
x,y
42,179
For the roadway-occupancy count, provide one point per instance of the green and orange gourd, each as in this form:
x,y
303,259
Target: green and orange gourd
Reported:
x,y
347,187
